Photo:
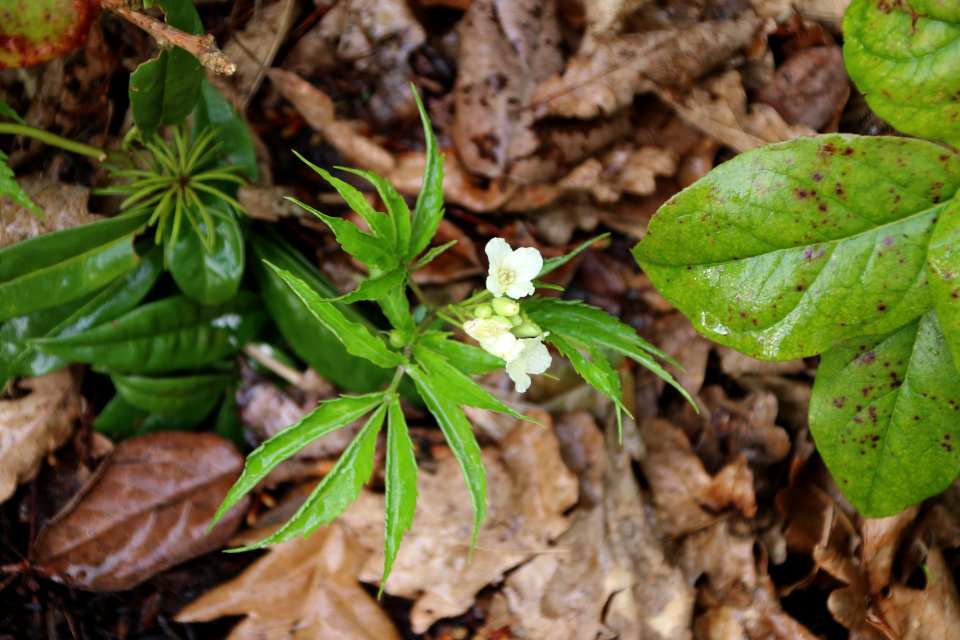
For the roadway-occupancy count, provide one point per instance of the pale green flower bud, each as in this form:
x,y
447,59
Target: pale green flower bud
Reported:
x,y
483,311
526,330
515,321
505,307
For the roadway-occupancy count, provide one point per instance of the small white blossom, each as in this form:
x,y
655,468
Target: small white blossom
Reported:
x,y
512,272
533,358
494,336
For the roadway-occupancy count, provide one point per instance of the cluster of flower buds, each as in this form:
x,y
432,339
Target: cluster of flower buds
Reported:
x,y
501,327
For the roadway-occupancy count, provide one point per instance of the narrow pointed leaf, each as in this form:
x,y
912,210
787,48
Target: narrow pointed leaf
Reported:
x,y
429,208
431,255
555,263
365,247
400,478
467,358
328,417
172,395
884,415
7,111
397,208
598,373
10,187
215,113
378,287
396,307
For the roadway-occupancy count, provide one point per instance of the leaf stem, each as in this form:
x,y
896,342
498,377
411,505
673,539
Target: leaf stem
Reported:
x,y
395,382
53,139
417,291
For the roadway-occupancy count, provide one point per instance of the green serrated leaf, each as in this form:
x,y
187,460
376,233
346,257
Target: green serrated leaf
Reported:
x,y
10,187
429,208
555,263
400,479
355,337
431,255
459,435
7,111
903,58
456,385
396,207
378,287
884,416
365,247
328,417
172,396
207,275
787,250
166,335
396,307
598,373
467,358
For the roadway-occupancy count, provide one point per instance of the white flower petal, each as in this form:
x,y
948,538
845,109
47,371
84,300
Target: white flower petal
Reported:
x,y
527,263
494,337
498,251
518,375
519,290
511,272
533,358
493,285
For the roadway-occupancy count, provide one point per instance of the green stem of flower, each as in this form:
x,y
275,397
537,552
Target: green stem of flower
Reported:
x,y
46,137
395,382
417,291
447,318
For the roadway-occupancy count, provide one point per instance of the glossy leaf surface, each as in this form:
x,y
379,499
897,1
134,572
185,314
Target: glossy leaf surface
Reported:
x,y
467,358
903,58
170,334
212,111
120,419
884,416
172,395
34,31
207,276
787,250
943,267
400,478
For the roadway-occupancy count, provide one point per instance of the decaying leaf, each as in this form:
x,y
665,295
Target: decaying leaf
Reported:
x,y
811,88
35,425
302,589
145,510
623,169
64,206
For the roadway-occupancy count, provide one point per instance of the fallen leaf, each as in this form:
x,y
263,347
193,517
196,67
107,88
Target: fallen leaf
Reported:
x,y
678,339
810,88
513,45
747,426
718,108
624,169
734,363
145,510
35,425
271,203
604,78
931,613
64,206
760,618
302,589
882,538
459,187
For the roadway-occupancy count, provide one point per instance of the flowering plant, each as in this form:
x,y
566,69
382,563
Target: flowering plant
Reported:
x,y
510,333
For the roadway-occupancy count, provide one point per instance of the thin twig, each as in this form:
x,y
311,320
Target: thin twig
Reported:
x,y
203,47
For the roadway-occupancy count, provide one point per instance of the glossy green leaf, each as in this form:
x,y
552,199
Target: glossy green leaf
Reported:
x,y
338,488
884,415
400,479
328,417
355,337
120,419
397,208
378,286
459,435
228,424
166,335
34,31
467,358
164,91
208,276
310,340
174,395
58,267
365,247
456,385
10,187
8,112
555,263
428,211
943,268
903,58
396,307
787,250
213,112
18,358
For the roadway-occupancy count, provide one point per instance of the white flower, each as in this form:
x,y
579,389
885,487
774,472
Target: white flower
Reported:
x,y
533,358
512,272
494,336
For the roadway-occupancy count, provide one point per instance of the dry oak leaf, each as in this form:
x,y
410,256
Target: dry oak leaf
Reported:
x,y
882,538
761,618
35,425
64,205
145,509
511,47
931,613
624,169
528,489
811,87
300,590
604,78
718,108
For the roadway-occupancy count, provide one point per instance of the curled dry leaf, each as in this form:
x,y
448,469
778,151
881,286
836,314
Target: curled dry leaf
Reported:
x,y
718,108
512,46
604,78
760,618
305,588
35,425
810,88
931,613
623,169
145,510
747,425
882,538
64,205
678,339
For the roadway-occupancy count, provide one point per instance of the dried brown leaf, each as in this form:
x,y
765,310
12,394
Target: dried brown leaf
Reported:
x,y
64,205
459,187
810,88
932,613
145,510
35,425
881,542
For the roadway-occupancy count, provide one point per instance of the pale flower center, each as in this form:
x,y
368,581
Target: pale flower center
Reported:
x,y
506,277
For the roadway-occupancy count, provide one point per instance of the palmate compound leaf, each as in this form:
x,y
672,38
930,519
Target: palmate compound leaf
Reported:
x,y
328,417
885,416
437,392
338,488
902,55
789,249
400,478
467,358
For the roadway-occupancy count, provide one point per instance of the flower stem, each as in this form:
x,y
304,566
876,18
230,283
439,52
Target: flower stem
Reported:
x,y
53,139
417,291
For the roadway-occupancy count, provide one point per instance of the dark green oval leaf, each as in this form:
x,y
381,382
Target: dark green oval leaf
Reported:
x,y
209,275
174,395
120,419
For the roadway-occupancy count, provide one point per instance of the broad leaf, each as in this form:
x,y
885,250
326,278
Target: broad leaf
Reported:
x,y
467,358
120,419
164,91
903,58
400,478
10,187
166,335
355,337
310,340
328,417
172,395
58,267
459,435
943,267
787,250
555,263
365,247
213,112
429,208
209,275
338,488
884,415
34,31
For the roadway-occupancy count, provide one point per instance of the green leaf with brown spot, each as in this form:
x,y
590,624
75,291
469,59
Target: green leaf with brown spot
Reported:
x,y
34,31
787,250
903,57
885,415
